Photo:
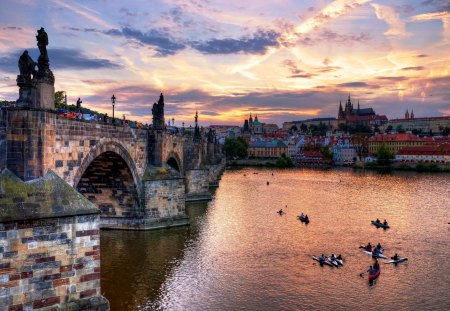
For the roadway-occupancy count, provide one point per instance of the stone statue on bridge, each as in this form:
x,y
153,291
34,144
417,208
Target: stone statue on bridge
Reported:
x,y
158,113
42,39
26,67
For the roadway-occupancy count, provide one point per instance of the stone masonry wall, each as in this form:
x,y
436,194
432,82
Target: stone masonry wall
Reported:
x,y
78,142
49,262
216,171
3,141
165,199
197,183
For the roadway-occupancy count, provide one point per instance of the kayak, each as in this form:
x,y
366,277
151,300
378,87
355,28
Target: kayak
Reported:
x,y
374,275
371,254
333,261
397,261
280,213
379,224
303,219
340,261
325,262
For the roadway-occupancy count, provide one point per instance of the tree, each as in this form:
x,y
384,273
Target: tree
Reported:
x,y
284,161
294,129
59,100
384,156
303,128
360,142
389,128
445,131
327,152
400,129
235,147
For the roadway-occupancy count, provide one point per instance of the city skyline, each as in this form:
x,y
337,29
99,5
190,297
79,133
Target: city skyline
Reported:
x,y
280,59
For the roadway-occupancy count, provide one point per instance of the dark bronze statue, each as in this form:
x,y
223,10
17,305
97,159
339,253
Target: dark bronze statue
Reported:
x,y
158,113
79,101
26,66
42,40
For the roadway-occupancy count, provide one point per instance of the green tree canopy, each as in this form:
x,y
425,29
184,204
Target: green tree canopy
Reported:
x,y
59,100
384,156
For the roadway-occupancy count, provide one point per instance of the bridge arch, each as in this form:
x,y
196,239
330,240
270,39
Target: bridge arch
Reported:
x,y
108,177
174,161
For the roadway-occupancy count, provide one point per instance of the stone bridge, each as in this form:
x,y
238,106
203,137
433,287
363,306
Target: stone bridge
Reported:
x,y
139,178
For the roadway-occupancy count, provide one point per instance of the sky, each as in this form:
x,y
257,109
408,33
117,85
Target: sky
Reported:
x,y
283,60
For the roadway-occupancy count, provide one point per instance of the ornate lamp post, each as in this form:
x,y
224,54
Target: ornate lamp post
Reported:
x,y
113,101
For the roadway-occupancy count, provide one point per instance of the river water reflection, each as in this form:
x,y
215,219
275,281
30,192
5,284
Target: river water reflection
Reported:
x,y
238,254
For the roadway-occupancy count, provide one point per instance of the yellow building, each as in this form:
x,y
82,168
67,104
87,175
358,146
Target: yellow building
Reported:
x,y
267,149
395,142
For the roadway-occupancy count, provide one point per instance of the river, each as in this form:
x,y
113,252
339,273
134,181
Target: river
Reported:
x,y
238,254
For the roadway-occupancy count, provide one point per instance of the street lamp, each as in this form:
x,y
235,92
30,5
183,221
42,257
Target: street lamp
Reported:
x,y
113,101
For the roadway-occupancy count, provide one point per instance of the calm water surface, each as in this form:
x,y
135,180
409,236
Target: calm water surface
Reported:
x,y
238,254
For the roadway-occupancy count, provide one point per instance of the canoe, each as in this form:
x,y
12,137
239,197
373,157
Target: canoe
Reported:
x,y
333,261
374,275
325,262
379,224
303,219
340,261
397,261
371,254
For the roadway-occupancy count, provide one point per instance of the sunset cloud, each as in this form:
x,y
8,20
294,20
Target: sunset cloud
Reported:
x,y
283,59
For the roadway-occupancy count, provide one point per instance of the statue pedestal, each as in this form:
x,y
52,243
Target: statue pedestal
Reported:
x,y
43,96
25,87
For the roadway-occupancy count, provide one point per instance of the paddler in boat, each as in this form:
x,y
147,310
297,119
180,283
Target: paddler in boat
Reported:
x,y
375,252
339,257
376,265
385,222
395,257
322,258
378,248
369,247
378,221
370,270
280,211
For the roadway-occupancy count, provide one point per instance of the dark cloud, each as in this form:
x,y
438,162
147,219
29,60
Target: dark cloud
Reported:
x,y
329,69
210,113
355,84
438,5
417,68
422,55
158,39
59,59
303,75
394,79
292,66
256,44
11,28
405,8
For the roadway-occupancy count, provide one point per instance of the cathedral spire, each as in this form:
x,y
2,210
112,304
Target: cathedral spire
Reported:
x,y
406,114
412,114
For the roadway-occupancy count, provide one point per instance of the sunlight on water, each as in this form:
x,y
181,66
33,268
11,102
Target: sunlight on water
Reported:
x,y
238,254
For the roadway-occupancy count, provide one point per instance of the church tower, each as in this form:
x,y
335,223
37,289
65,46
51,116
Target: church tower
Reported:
x,y
411,116
406,114
341,114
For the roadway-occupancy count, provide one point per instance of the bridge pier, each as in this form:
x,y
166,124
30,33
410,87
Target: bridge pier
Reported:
x,y
49,246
